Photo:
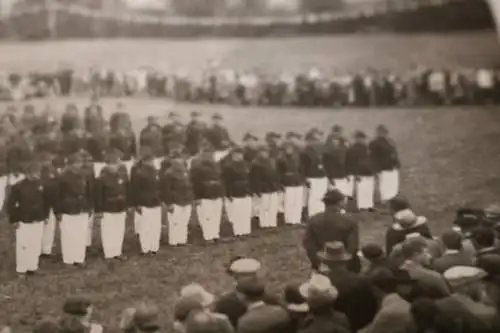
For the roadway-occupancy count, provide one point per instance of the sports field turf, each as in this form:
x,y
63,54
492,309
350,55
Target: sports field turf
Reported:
x,y
451,157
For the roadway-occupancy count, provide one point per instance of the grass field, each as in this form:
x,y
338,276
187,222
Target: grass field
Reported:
x,y
451,157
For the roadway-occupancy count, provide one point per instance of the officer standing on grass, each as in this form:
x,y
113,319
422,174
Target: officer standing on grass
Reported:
x,y
218,136
28,208
123,139
73,205
152,139
49,174
173,132
146,200
112,198
195,134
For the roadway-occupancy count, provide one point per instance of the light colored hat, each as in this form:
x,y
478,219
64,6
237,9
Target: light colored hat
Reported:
x,y
196,291
245,266
461,275
407,218
318,285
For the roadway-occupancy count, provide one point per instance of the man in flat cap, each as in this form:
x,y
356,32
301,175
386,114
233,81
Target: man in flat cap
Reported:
x,y
195,133
151,137
177,195
312,161
359,164
218,135
28,206
465,308
112,200
208,188
292,181
238,200
73,204
336,147
77,315
145,198
332,225
264,180
385,163
173,133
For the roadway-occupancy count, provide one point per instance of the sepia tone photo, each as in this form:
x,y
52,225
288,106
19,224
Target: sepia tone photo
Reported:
x,y
250,166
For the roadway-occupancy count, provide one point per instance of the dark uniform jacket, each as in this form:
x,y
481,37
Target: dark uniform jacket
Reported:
x,y
264,176
335,160
49,142
327,227
97,145
236,176
73,193
195,133
359,160
264,318
125,142
93,118
175,187
249,154
151,137
234,308
173,134
206,179
144,186
29,201
384,154
312,160
290,170
449,260
112,190
69,122
351,289
333,322
18,152
217,135
74,142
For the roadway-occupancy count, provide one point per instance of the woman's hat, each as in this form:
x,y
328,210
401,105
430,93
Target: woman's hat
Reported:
x,y
334,252
318,287
196,291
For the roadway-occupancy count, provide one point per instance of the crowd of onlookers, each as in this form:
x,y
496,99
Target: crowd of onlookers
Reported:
x,y
317,87
416,283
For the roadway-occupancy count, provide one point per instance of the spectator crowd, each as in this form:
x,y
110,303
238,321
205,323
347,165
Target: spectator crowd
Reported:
x,y
313,88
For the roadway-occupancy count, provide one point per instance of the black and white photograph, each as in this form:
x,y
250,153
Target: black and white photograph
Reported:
x,y
250,166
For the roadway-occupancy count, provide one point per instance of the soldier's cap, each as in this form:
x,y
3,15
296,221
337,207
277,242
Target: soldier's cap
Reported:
x,y
372,251
337,129
462,275
217,116
382,129
273,135
249,136
172,114
76,305
146,318
245,266
359,135
312,134
333,197
292,135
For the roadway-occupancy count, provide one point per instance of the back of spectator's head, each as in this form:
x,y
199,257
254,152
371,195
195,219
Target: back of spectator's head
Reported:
x,y
203,322
413,248
251,289
47,326
384,281
294,300
483,237
398,204
452,240
424,311
372,252
490,263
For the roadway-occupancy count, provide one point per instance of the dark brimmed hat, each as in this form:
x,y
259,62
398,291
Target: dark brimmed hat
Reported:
x,y
333,197
249,136
372,251
272,135
360,135
382,129
398,204
217,116
334,252
312,134
337,129
76,305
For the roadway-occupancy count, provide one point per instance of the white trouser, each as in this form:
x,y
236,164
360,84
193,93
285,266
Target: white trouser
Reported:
x,y
388,184
150,232
112,234
317,190
364,192
239,213
209,214
157,162
293,204
345,185
268,210
74,230
98,166
49,233
178,222
220,154
28,240
137,224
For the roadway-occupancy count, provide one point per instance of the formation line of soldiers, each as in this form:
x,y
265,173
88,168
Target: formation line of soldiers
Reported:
x,y
79,171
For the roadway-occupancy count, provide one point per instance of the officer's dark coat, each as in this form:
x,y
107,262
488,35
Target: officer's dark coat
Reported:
x,y
206,179
19,151
94,119
151,137
173,134
125,142
217,135
359,160
112,190
335,159
249,154
29,201
264,177
97,145
290,170
74,142
73,193
175,187
236,176
145,186
49,142
312,161
195,133
384,154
